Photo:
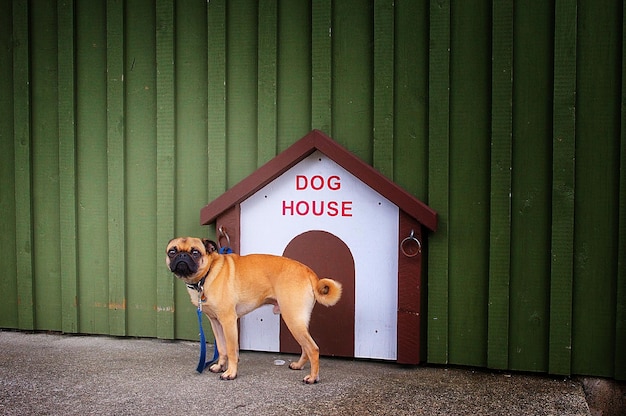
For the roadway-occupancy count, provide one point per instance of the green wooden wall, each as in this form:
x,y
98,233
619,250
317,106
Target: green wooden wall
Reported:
x,y
120,119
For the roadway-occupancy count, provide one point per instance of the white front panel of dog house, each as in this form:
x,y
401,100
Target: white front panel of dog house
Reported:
x,y
365,220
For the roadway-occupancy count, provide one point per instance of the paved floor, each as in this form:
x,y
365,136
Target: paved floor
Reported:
x,y
42,374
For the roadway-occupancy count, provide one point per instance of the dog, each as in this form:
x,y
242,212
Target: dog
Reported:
x,y
229,286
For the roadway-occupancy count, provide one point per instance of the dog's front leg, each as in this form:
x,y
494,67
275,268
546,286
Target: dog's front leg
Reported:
x,y
220,343
231,336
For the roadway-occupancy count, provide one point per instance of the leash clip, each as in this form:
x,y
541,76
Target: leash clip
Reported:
x,y
200,297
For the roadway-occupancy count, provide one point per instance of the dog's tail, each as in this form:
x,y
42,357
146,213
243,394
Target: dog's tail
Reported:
x,y
327,292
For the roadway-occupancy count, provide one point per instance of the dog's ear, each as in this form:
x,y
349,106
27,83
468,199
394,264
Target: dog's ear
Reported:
x,y
209,245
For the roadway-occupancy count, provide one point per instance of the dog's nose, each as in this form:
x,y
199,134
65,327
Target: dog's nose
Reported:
x,y
182,257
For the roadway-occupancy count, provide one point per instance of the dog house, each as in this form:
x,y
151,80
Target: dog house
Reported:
x,y
319,204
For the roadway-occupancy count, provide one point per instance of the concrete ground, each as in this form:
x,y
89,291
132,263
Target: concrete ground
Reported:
x,y
49,374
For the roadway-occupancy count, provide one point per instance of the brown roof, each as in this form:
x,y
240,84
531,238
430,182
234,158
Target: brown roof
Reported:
x,y
316,140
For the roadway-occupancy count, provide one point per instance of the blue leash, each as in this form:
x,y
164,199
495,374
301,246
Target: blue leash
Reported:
x,y
202,363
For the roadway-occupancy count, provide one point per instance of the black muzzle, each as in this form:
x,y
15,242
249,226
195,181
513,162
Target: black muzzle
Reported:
x,y
183,265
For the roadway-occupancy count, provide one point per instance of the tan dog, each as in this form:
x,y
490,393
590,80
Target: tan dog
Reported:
x,y
230,286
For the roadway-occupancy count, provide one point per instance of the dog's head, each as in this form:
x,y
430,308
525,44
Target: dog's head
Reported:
x,y
189,258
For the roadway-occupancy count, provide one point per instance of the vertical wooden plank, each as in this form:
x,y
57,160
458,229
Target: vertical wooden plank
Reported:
x,y
294,72
67,168
216,91
44,166
267,56
241,103
321,65
23,190
190,166
563,168
598,79
140,106
469,181
165,160
500,203
352,76
531,210
620,312
91,166
190,123
116,167
8,284
383,147
439,179
410,124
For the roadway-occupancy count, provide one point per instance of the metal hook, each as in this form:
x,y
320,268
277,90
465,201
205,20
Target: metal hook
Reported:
x,y
223,233
411,237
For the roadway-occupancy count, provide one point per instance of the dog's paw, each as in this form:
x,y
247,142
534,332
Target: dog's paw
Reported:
x,y
228,376
216,368
310,380
295,366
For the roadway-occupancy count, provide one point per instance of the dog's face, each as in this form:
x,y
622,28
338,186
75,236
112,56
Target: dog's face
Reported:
x,y
189,257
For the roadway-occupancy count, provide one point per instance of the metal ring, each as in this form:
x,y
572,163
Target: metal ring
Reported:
x,y
406,240
223,233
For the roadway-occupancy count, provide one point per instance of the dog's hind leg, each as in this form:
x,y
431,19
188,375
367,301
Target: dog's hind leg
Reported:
x,y
296,312
310,350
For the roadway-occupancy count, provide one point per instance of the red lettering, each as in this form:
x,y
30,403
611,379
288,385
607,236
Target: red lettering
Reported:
x,y
320,182
333,210
319,212
301,182
318,208
346,209
303,211
317,182
287,207
334,183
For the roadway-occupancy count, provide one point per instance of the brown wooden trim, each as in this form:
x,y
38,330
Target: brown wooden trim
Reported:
x,y
408,344
409,293
316,140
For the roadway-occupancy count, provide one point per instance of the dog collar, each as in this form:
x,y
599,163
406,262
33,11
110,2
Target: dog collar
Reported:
x,y
198,286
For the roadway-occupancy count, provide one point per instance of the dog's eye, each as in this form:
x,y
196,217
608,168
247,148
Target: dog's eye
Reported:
x,y
171,252
195,252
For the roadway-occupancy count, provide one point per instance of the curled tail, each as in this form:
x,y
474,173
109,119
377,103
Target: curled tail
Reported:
x,y
327,292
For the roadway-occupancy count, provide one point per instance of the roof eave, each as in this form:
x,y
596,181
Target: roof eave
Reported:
x,y
316,140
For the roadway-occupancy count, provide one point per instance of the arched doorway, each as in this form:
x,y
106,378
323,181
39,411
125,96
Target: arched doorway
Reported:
x,y
332,328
